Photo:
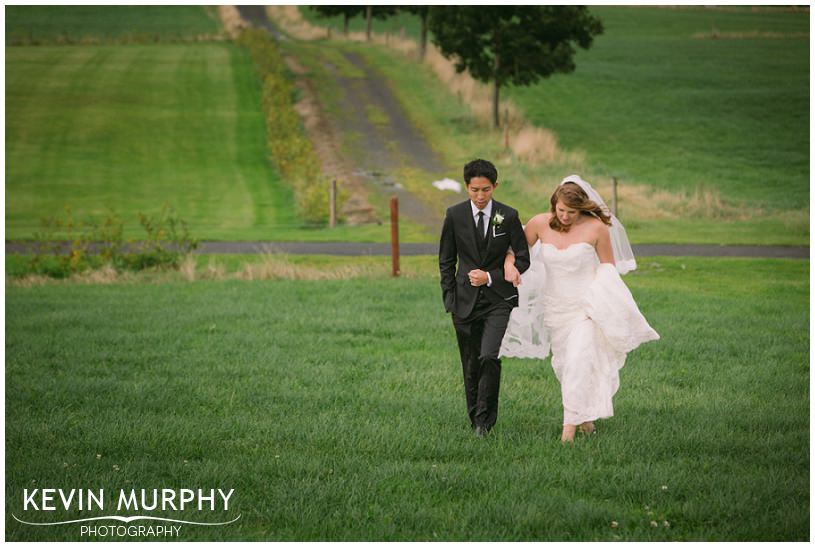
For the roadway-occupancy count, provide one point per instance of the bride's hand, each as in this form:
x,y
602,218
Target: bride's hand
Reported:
x,y
511,274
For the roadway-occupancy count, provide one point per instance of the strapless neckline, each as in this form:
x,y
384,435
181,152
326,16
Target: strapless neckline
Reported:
x,y
568,246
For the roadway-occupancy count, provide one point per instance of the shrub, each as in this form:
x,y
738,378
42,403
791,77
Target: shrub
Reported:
x,y
168,242
68,245
290,149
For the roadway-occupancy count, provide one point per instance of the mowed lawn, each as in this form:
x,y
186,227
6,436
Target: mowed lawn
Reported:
x,y
129,128
335,410
44,24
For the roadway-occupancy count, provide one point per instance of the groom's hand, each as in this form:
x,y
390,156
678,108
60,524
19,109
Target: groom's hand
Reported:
x,y
478,278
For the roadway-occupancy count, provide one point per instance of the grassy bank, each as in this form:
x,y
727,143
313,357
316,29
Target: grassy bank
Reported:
x,y
259,266
334,409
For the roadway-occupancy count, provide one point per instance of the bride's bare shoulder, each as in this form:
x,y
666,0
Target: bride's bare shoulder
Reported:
x,y
597,225
541,218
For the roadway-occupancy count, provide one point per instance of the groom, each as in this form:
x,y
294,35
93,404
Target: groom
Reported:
x,y
476,235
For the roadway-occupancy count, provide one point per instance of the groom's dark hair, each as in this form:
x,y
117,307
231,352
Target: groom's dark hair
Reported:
x,y
480,168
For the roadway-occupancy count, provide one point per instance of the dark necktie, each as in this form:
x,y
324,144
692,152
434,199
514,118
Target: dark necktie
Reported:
x,y
480,227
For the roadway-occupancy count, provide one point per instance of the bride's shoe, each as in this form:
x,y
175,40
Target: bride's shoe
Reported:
x,y
587,428
568,434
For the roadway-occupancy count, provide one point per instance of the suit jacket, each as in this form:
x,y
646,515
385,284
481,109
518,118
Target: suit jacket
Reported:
x,y
458,246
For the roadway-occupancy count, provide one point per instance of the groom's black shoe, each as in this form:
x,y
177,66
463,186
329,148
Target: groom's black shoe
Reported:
x,y
481,431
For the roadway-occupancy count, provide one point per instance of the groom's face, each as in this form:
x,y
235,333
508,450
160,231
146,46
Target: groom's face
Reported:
x,y
480,190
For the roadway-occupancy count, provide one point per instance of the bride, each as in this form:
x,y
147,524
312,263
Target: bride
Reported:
x,y
573,301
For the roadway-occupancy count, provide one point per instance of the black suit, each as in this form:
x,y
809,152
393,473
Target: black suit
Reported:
x,y
480,314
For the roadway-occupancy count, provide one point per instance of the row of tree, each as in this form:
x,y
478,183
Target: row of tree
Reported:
x,y
498,45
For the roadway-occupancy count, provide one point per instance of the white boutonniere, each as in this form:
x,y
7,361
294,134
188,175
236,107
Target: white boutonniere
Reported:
x,y
497,220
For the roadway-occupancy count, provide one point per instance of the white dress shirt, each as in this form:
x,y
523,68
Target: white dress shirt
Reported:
x,y
487,210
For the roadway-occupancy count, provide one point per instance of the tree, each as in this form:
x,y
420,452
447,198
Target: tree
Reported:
x,y
347,13
378,12
512,44
424,14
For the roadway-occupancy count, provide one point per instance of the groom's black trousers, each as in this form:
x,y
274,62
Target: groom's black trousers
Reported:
x,y
479,338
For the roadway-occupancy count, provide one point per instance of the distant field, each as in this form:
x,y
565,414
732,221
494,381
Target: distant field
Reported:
x,y
131,127
48,24
453,133
128,127
737,132
657,106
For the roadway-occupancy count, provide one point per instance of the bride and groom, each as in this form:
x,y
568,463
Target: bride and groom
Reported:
x,y
566,296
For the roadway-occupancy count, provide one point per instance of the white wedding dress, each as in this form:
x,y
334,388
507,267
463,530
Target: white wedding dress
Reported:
x,y
583,311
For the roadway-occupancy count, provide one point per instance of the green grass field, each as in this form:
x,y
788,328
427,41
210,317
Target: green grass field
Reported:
x,y
128,128
654,105
52,24
657,108
335,411
132,127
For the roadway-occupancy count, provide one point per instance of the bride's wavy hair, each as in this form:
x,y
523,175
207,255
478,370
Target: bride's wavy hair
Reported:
x,y
574,197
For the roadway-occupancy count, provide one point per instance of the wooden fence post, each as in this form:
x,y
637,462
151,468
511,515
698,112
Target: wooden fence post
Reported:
x,y
614,196
332,204
395,235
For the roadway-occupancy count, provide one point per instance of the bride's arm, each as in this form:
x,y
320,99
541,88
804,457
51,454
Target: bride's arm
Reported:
x,y
604,250
532,228
511,273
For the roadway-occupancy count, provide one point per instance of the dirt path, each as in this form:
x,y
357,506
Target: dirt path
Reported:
x,y
366,139
256,15
385,146
378,148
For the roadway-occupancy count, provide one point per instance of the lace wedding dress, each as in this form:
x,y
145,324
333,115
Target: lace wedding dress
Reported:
x,y
584,313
